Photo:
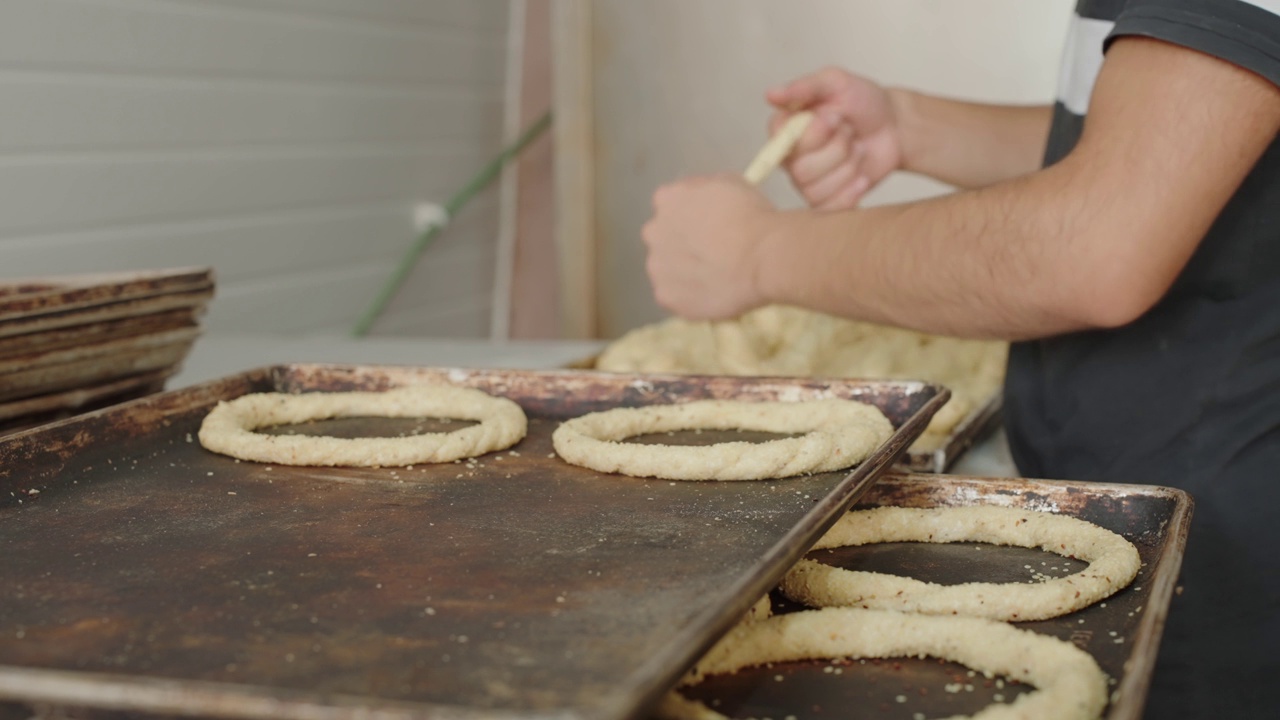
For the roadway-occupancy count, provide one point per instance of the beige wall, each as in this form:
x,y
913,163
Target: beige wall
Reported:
x,y
678,88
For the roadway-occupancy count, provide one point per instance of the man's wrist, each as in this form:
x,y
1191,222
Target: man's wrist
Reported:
x,y
770,257
908,118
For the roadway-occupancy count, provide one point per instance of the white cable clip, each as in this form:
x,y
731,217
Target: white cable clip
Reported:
x,y
429,216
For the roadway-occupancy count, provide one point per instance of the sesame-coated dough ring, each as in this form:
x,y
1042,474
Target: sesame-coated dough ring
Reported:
x,y
836,434
1070,685
1113,563
228,428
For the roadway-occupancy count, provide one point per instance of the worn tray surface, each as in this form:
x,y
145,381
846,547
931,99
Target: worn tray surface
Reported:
x,y
83,396
36,296
94,333
123,363
1122,632
147,573
96,350
191,300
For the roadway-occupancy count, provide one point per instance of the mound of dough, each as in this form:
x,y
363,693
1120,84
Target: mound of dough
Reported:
x,y
837,434
1070,685
1113,563
228,428
787,341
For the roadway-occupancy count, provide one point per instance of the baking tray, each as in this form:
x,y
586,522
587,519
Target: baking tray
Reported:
x,y
1122,633
30,410
75,336
27,297
193,301
127,362
146,574
978,424
103,350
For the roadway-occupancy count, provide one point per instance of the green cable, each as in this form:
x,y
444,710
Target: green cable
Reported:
x,y
452,208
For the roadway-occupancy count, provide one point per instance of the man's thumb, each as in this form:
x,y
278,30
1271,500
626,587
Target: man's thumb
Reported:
x,y
799,94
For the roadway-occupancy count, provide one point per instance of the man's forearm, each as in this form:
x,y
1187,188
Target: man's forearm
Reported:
x,y
969,145
973,264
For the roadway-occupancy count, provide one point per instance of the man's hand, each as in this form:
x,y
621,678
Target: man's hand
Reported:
x,y
703,244
853,143
864,132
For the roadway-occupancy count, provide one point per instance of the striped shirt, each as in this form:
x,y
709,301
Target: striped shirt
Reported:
x,y
1189,394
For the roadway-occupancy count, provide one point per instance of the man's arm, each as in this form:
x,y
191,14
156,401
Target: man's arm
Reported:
x,y
864,132
970,145
1093,241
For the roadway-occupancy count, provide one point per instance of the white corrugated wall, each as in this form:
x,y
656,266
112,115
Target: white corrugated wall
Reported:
x,y
283,142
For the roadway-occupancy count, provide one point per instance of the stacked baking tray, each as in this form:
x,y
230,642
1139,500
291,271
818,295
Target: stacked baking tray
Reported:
x,y
71,343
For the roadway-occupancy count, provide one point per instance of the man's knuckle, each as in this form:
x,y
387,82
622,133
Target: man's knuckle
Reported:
x,y
831,72
649,232
663,298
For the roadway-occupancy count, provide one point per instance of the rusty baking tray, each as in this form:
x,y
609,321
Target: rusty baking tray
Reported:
x,y
123,363
104,350
26,297
977,425
1122,633
75,336
30,412
145,574
52,317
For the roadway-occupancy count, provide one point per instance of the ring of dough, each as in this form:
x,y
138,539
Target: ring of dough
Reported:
x,y
837,434
228,428
1113,563
1070,685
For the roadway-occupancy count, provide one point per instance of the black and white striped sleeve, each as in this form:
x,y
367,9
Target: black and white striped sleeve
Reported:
x,y
1242,32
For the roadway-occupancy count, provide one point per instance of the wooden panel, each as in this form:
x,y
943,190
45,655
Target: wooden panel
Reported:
x,y
535,306
573,61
